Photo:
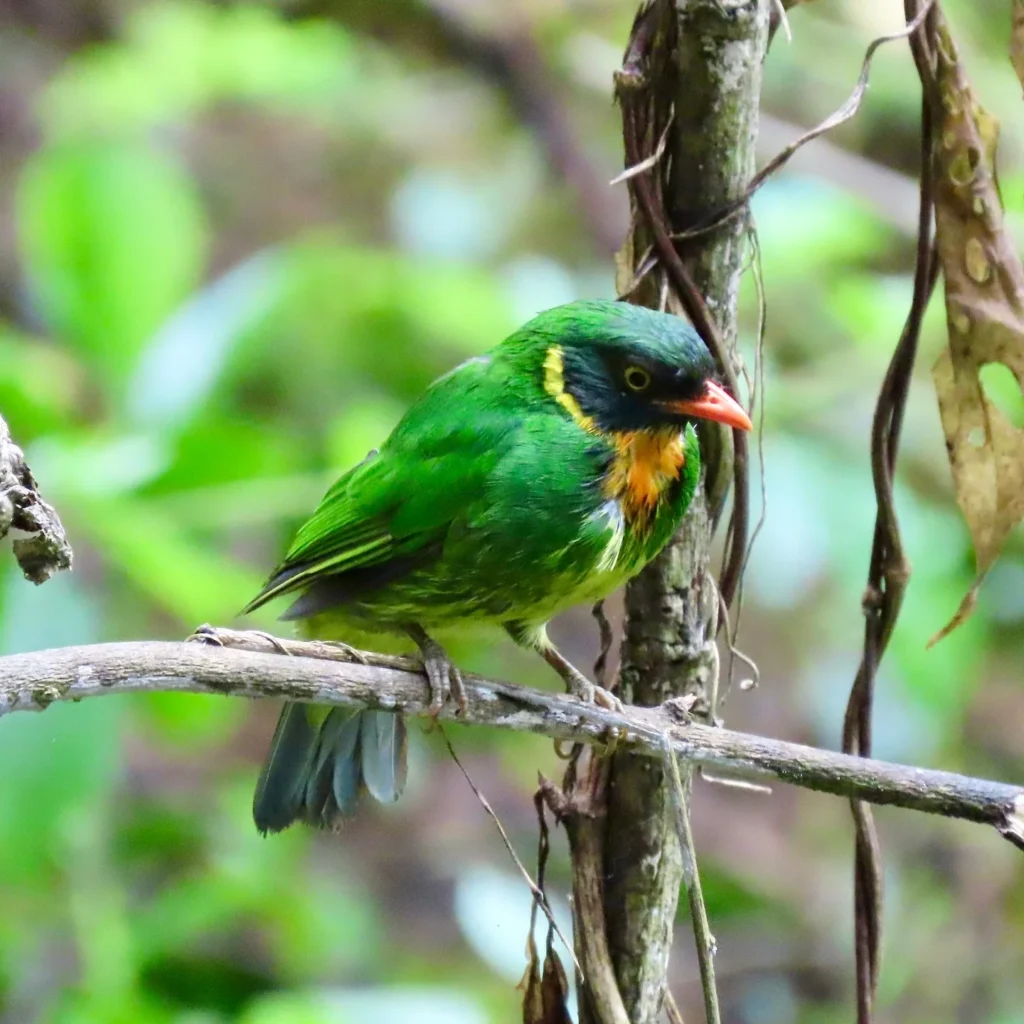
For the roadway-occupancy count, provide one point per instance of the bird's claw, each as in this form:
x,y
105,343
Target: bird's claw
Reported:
x,y
443,678
580,686
606,699
205,634
353,653
276,642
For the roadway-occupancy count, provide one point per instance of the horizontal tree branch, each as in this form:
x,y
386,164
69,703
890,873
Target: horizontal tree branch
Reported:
x,y
251,665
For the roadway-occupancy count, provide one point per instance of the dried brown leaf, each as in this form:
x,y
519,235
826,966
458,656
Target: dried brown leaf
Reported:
x,y
1017,39
533,997
984,283
555,990
545,995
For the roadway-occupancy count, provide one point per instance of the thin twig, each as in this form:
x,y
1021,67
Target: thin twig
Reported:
x,y
839,116
735,654
779,18
672,1009
703,939
848,109
758,394
250,667
540,898
606,637
889,569
699,315
579,807
757,390
648,162
747,787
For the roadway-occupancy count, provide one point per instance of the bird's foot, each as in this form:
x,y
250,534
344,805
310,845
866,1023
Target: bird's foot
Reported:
x,y
577,683
243,639
347,649
536,639
276,642
580,686
443,676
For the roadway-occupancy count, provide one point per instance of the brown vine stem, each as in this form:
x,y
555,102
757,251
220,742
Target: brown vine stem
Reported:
x,y
694,891
838,117
245,664
889,570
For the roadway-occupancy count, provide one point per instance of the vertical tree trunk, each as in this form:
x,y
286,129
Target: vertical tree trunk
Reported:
x,y
694,68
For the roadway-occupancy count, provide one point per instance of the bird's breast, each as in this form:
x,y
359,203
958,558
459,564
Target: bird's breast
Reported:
x,y
644,467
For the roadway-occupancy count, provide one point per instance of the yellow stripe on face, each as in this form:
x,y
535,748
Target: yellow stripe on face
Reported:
x,y
646,463
554,385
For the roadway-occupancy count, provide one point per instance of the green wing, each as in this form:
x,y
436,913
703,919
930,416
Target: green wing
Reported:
x,y
398,503
348,530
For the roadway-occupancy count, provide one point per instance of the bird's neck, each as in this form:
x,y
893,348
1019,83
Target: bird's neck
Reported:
x,y
645,467
646,464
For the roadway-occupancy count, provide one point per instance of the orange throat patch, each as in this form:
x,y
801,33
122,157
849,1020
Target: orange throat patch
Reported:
x,y
645,466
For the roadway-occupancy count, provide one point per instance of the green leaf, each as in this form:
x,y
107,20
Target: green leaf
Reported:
x,y
56,764
181,574
216,450
315,922
193,720
1002,388
291,1008
40,385
872,308
113,238
177,58
63,762
804,223
727,894
396,322
364,424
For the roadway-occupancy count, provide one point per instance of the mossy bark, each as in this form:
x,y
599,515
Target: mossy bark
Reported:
x,y
704,64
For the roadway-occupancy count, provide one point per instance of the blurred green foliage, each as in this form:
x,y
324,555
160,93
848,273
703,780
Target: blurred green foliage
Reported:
x,y
238,244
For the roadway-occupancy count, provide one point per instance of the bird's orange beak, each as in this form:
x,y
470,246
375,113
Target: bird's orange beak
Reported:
x,y
715,404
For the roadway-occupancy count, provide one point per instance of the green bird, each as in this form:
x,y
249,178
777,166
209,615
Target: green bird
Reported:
x,y
541,475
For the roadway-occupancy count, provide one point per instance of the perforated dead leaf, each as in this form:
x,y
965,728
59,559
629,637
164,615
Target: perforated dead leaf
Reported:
x,y
1017,39
984,284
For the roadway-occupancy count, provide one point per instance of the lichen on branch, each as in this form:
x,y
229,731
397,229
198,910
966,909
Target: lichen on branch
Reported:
x,y
40,547
258,666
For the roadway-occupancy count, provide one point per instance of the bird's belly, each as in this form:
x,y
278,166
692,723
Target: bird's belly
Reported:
x,y
569,592
481,580
460,619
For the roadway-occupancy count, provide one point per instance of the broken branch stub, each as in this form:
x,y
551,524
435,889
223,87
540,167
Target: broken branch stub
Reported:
x,y
984,287
41,549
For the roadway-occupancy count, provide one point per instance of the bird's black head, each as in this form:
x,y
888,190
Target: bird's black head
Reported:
x,y
628,368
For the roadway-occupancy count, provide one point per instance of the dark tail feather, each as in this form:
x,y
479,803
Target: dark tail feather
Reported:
x,y
280,792
316,773
332,787
384,762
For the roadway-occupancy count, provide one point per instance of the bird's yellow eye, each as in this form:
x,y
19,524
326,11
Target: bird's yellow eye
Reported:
x,y
636,378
